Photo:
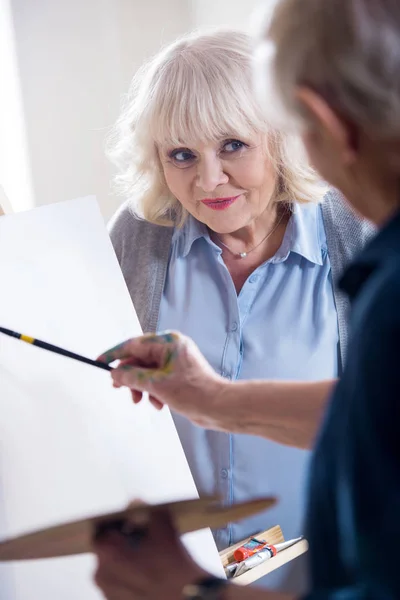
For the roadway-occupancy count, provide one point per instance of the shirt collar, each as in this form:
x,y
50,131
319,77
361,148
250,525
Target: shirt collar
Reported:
x,y
383,248
191,231
304,234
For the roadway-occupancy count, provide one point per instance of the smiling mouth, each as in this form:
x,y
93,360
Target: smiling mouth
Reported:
x,y
220,203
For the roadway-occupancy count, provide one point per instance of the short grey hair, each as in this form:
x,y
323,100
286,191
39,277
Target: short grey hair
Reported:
x,y
346,50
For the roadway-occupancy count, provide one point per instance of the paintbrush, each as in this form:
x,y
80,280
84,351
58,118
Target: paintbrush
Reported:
x,y
56,349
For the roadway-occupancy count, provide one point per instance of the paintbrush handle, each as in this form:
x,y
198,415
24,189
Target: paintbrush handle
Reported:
x,y
55,349
73,355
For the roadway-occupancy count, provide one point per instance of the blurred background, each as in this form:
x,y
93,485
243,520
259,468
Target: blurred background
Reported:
x,y
64,65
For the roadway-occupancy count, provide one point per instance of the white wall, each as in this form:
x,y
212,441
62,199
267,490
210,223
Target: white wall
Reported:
x,y
15,176
230,13
75,59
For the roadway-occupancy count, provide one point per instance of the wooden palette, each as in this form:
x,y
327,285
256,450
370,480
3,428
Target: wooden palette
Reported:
x,y
76,537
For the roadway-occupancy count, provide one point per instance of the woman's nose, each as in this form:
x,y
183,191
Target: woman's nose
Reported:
x,y
210,174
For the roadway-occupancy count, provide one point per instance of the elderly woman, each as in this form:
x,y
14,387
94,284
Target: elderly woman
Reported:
x,y
233,248
342,85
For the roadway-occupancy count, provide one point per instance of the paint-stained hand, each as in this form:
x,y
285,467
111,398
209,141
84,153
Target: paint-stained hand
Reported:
x,y
171,368
155,565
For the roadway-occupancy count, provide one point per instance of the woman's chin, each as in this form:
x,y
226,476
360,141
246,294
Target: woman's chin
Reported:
x,y
223,222
224,228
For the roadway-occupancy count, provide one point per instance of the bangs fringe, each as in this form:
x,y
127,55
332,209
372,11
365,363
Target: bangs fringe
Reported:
x,y
196,102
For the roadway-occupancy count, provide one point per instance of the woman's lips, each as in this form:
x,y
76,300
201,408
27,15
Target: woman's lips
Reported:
x,y
220,203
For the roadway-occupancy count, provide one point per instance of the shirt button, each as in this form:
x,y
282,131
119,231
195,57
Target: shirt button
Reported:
x,y
234,326
224,473
253,278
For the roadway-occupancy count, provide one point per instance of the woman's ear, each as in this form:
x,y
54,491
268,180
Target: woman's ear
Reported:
x,y
329,124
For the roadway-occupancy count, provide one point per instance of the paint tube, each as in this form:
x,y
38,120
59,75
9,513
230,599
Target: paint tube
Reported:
x,y
260,557
248,549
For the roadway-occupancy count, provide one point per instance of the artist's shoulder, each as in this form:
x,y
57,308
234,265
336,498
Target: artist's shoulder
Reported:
x,y
129,232
376,330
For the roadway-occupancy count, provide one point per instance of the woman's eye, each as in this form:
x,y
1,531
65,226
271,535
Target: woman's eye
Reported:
x,y
233,146
182,156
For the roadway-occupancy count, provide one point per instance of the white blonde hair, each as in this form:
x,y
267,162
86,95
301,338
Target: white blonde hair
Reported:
x,y
346,50
197,89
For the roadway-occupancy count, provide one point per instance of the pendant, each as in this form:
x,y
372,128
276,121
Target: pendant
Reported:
x,y
243,254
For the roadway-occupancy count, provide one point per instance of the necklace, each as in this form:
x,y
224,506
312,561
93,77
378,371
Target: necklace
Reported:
x,y
244,254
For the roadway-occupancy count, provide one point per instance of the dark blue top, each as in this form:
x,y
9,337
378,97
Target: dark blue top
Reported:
x,y
354,494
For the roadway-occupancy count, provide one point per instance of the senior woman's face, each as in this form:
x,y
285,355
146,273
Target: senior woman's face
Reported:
x,y
226,184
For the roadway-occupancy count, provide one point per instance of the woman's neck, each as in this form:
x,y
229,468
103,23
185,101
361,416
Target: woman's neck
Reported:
x,y
255,255
265,228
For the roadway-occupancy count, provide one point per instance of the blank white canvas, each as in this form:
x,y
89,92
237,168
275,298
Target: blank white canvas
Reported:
x,y
70,444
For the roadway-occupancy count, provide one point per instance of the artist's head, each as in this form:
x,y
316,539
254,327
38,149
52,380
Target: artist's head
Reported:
x,y
193,130
335,68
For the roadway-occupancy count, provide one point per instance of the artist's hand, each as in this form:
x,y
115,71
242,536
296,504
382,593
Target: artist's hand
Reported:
x,y
172,369
155,567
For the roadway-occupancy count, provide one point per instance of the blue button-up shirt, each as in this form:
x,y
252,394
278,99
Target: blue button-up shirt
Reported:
x,y
354,497
282,325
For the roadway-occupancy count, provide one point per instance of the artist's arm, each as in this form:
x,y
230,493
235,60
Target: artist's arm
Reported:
x,y
285,412
157,566
171,368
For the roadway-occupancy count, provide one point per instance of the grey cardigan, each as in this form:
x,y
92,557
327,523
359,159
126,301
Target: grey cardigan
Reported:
x,y
143,251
